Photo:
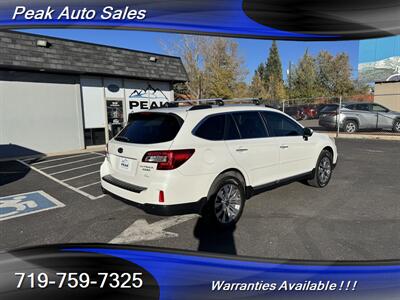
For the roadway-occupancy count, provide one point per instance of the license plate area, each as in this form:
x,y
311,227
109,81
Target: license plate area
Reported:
x,y
127,165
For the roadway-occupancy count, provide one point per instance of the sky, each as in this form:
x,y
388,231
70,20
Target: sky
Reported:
x,y
253,51
378,49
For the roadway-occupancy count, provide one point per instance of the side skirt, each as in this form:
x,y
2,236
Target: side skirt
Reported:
x,y
252,191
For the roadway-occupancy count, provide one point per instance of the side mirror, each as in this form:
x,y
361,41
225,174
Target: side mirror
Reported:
x,y
307,133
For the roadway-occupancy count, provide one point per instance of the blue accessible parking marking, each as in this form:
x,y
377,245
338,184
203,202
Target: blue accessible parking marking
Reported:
x,y
14,206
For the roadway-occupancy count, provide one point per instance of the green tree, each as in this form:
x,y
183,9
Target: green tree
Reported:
x,y
221,68
257,86
272,74
214,67
241,90
304,78
334,74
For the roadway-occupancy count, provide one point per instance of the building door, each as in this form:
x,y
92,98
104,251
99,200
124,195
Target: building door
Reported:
x,y
115,117
41,111
114,93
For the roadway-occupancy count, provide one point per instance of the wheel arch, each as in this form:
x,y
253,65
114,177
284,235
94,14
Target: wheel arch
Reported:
x,y
240,176
330,149
352,119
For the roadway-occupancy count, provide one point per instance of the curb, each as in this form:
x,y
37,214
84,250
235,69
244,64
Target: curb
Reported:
x,y
88,149
363,136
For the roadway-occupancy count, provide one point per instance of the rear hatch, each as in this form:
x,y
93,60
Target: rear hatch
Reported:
x,y
146,131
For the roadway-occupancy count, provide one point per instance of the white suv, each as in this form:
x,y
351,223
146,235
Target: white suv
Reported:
x,y
210,159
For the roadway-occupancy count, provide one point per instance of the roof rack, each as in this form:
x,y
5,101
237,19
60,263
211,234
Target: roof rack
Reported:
x,y
216,101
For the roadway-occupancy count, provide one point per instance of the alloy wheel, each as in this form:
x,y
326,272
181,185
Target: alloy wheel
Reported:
x,y
350,127
397,126
324,170
227,203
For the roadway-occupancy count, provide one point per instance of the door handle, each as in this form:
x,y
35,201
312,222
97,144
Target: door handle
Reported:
x,y
241,149
284,146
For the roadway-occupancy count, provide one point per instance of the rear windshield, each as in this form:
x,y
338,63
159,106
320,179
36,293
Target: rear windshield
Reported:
x,y
150,128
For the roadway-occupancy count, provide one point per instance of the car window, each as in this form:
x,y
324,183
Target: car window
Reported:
x,y
329,108
351,106
362,106
150,128
232,132
212,128
282,125
250,125
379,108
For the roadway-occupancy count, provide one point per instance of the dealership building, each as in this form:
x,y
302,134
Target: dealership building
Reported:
x,y
59,95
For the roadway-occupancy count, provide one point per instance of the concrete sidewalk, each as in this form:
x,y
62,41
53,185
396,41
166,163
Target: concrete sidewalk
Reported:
x,y
9,152
363,136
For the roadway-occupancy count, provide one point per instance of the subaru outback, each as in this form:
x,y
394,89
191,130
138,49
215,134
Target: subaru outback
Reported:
x,y
211,159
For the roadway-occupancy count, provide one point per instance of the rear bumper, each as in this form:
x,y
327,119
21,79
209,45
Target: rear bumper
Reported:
x,y
123,185
175,209
182,194
164,210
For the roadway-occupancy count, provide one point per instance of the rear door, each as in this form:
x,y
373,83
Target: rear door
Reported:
x,y
385,119
368,119
249,143
296,155
146,131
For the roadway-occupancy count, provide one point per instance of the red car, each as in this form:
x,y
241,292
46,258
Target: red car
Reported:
x,y
309,112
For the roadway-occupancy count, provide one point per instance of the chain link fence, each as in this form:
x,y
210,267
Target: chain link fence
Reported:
x,y
372,114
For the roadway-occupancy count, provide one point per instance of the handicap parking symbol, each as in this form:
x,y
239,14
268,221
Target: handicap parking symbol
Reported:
x,y
14,206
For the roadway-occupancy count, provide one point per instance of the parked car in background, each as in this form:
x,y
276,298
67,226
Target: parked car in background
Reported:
x,y
356,116
309,112
324,108
295,112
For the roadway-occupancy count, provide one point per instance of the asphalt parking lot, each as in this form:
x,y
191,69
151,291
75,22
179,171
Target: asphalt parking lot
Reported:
x,y
357,217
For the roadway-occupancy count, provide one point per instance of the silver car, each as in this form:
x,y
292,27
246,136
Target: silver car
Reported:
x,y
356,116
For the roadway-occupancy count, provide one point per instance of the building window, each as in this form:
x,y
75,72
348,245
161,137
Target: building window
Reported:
x,y
95,136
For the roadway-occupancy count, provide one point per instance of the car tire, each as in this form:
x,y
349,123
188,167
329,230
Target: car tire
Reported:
x,y
396,126
323,170
350,126
226,200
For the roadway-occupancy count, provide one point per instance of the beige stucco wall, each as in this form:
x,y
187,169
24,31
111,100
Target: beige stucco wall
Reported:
x,y
388,94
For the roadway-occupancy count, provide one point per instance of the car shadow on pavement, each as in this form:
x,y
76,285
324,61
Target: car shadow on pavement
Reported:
x,y
212,239
11,171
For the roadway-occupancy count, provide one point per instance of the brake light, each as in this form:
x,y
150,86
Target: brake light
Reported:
x,y
168,160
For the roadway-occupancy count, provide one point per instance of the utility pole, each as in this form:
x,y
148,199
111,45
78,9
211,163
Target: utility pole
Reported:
x,y
338,116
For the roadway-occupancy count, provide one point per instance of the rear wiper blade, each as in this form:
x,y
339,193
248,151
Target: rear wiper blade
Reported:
x,y
122,138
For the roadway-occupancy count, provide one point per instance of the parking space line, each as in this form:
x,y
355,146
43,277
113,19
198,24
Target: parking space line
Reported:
x,y
79,176
90,184
101,154
56,159
63,171
91,197
69,163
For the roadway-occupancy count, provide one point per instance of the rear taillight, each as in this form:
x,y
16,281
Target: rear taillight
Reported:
x,y
168,160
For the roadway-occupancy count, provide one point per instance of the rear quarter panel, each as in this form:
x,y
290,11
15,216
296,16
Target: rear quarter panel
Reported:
x,y
210,157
